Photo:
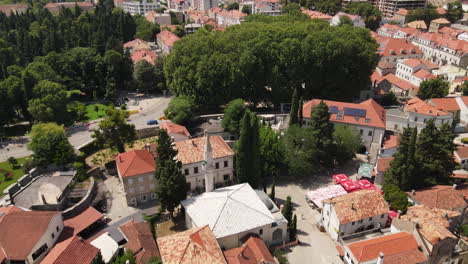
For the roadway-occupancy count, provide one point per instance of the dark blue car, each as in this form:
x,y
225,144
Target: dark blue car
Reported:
x,y
152,122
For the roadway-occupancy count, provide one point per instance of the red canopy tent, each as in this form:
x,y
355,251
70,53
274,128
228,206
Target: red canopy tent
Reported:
x,y
350,186
364,184
392,214
340,178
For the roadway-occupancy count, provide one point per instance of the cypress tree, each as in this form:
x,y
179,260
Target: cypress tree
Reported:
x,y
301,118
288,209
247,151
272,193
322,129
293,119
397,173
293,228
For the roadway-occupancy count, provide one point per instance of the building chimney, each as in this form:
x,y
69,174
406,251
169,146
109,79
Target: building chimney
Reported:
x,y
352,206
413,192
380,260
454,187
120,159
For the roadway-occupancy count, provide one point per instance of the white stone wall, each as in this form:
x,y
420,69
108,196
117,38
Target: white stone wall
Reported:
x,y
196,179
265,232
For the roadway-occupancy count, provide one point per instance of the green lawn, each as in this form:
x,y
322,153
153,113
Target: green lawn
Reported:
x,y
91,112
17,173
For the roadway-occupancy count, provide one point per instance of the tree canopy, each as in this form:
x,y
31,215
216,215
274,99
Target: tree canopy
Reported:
x,y
433,88
180,109
371,14
232,116
263,59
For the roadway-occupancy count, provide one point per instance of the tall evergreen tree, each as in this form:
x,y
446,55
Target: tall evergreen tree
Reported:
x,y
322,129
247,151
293,118
397,174
172,186
301,105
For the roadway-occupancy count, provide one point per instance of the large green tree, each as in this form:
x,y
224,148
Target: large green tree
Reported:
x,y
171,186
145,76
395,197
49,103
371,15
433,88
49,144
293,114
114,131
454,11
271,151
425,14
233,114
247,156
347,140
180,109
321,128
300,151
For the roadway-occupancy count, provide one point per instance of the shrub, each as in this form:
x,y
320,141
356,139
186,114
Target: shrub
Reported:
x,y
27,166
13,162
464,140
180,109
279,254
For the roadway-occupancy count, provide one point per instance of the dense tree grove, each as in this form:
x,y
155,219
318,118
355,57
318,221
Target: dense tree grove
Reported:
x,y
433,88
263,59
371,14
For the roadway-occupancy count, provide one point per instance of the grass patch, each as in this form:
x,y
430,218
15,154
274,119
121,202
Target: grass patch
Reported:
x,y
95,111
17,173
168,228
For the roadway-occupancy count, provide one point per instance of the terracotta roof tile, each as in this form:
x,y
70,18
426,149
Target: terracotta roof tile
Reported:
x,y
396,47
417,105
384,163
402,12
375,114
445,104
194,246
83,220
74,250
168,38
398,82
441,11
358,205
174,128
416,62
440,21
21,230
137,44
135,162
442,197
147,55
432,223
402,246
252,252
140,240
315,14
424,75
13,8
419,24
391,142
193,150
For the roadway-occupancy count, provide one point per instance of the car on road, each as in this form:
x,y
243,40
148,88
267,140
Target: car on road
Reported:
x,y
152,122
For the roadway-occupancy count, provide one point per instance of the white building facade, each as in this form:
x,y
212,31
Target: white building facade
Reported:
x,y
140,8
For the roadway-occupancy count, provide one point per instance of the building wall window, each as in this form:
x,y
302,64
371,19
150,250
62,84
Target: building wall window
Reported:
x,y
217,165
226,163
195,170
187,172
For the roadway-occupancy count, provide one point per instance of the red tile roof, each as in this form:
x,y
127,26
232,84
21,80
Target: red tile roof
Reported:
x,y
402,12
137,44
174,128
193,150
376,77
232,14
194,246
445,104
396,47
315,14
424,75
453,32
419,106
440,21
397,248
135,162
375,114
462,152
147,55
55,7
419,24
358,205
398,82
83,220
442,197
441,11
416,62
384,163
21,230
391,142
140,240
167,37
252,252
73,250
13,8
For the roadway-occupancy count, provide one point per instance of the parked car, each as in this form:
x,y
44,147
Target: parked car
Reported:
x,y
152,122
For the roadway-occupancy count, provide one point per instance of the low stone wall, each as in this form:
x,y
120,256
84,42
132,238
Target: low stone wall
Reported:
x,y
146,132
84,203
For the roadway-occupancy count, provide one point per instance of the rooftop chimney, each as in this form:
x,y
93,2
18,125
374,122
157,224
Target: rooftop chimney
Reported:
x,y
120,159
454,187
381,258
413,192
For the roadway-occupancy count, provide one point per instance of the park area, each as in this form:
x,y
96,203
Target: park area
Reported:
x,y
10,174
95,111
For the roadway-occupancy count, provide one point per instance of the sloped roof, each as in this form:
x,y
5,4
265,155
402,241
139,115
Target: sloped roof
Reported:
x,y
441,11
383,163
229,210
399,248
398,82
13,8
396,47
416,62
462,152
375,114
440,21
21,230
137,44
140,241
147,55
417,24
419,106
167,37
402,12
193,150
424,75
83,220
432,222
194,246
73,250
358,205
174,128
391,142
442,197
253,251
445,104
135,162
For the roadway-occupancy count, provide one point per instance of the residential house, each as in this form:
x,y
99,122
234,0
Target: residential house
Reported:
x,y
316,14
235,212
147,55
166,40
354,212
54,8
382,165
140,7
27,236
175,131
357,20
389,8
192,27
432,229
446,104
418,24
394,248
180,5
391,50
227,18
204,5
137,45
401,88
445,197
253,251
415,71
266,7
437,24
197,245
401,14
18,9
416,113
140,241
451,32
207,162
461,156
388,30
158,18
136,172
368,117
389,146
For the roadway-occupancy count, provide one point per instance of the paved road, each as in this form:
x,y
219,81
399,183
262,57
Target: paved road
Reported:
x,y
150,108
